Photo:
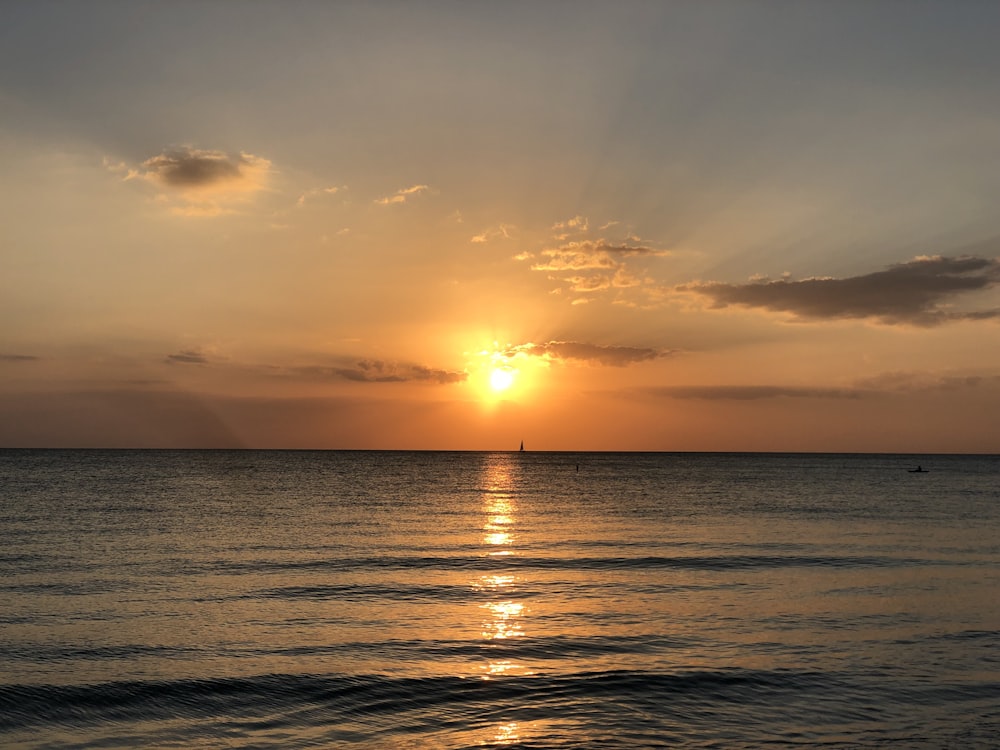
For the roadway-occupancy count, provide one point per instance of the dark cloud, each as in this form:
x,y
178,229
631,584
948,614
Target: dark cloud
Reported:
x,y
749,392
184,169
18,358
114,419
188,167
886,384
134,418
356,370
908,382
378,371
913,293
617,356
187,358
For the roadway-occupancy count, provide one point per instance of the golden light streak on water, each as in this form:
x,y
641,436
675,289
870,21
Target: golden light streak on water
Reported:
x,y
504,614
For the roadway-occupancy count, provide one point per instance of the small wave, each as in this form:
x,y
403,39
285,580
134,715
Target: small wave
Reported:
x,y
343,697
42,654
551,648
88,587
508,562
353,592
26,559
970,635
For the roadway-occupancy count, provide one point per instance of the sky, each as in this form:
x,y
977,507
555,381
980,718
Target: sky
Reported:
x,y
761,225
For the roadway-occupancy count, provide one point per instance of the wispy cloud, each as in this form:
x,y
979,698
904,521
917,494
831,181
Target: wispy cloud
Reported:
x,y
565,229
587,267
319,192
500,232
615,356
912,293
620,279
187,357
592,254
18,358
401,196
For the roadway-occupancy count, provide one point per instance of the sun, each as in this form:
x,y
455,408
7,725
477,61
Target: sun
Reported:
x,y
500,374
501,379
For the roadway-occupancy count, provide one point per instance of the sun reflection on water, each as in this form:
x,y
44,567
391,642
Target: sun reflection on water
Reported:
x,y
498,530
507,734
505,620
504,615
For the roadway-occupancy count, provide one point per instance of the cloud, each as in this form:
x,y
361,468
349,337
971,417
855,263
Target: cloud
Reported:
x,y
346,368
501,231
564,229
131,418
589,267
747,392
188,169
18,358
189,357
616,356
379,371
620,279
586,284
200,182
886,384
401,196
318,193
577,222
913,293
591,254
910,382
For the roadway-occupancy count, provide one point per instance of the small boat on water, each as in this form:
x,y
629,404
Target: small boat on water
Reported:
x,y
522,447
918,470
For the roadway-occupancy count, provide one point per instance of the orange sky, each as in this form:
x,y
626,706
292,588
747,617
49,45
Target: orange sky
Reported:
x,y
668,226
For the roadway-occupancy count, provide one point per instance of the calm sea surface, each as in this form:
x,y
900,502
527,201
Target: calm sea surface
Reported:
x,y
456,600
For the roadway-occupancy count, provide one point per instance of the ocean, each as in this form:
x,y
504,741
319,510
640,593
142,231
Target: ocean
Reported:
x,y
287,599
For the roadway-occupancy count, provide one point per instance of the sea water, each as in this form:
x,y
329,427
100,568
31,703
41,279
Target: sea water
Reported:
x,y
242,599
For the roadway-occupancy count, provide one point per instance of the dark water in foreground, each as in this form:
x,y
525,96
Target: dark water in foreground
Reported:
x,y
451,600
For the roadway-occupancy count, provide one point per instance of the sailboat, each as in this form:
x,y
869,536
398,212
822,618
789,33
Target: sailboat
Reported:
x,y
522,446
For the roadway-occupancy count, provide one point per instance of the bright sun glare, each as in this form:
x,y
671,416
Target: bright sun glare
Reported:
x,y
501,379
